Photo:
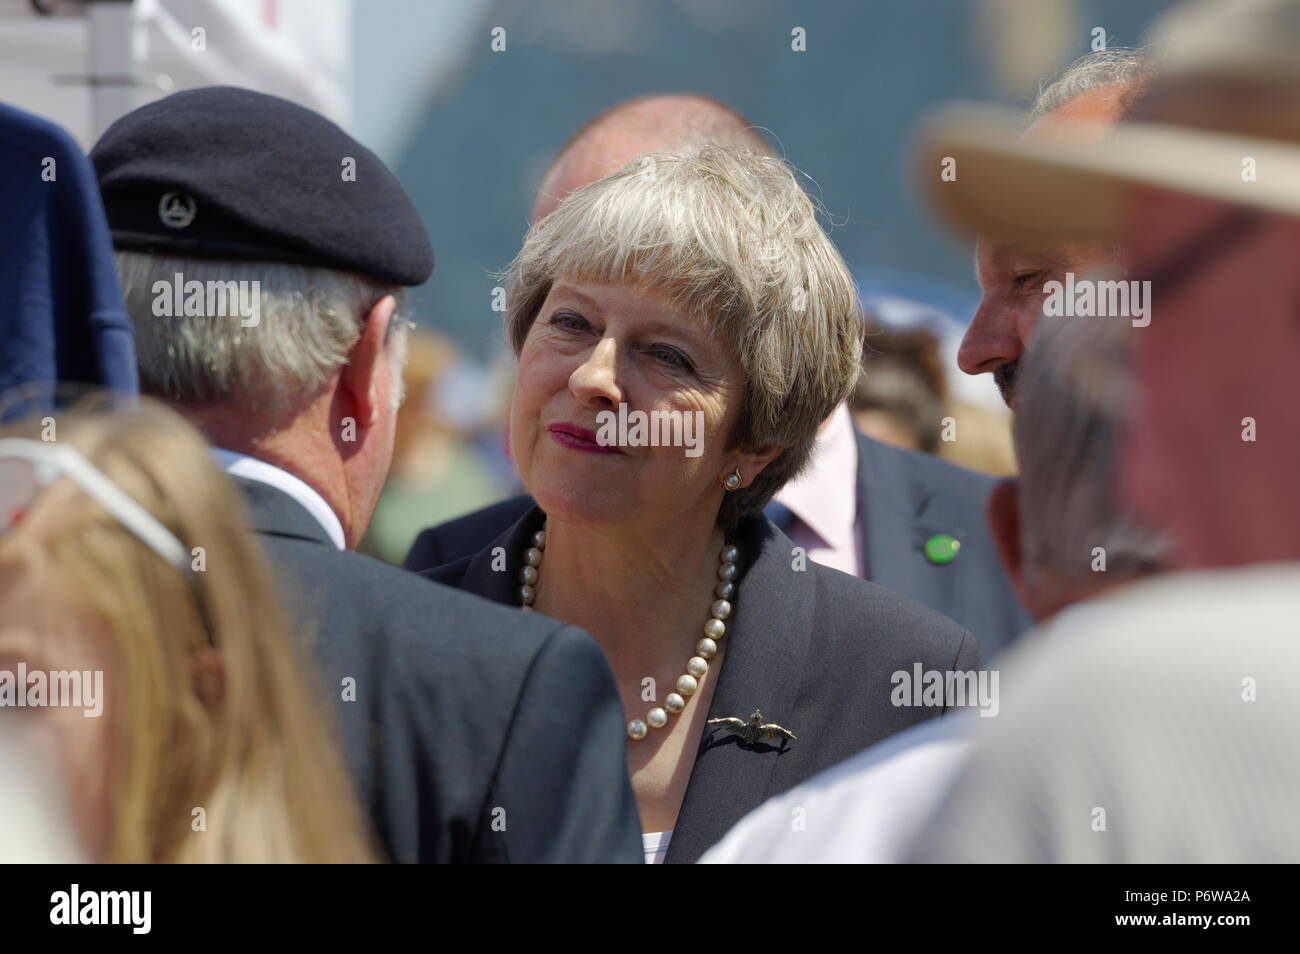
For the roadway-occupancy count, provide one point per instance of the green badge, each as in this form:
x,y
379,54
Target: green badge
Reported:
x,y
942,548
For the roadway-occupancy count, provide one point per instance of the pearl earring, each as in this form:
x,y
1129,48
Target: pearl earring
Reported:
x,y
733,480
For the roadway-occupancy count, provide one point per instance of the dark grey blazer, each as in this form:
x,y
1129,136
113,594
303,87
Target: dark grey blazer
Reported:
x,y
814,649
904,499
477,733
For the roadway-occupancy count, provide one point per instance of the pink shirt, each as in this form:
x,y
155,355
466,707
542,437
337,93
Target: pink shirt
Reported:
x,y
825,498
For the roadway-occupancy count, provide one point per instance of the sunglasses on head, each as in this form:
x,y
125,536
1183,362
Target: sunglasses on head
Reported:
x,y
28,467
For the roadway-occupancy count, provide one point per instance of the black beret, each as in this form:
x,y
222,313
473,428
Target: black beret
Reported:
x,y
223,172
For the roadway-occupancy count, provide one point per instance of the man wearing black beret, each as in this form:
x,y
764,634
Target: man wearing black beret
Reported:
x,y
262,253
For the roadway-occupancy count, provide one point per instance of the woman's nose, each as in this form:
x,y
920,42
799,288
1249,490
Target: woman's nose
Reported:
x,y
595,381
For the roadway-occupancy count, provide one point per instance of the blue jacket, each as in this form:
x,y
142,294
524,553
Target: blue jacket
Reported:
x,y
61,312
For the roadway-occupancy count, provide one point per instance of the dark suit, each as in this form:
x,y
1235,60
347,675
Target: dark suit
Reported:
x,y
468,717
904,499
814,649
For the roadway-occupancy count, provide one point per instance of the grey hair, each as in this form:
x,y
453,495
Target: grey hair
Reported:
x,y
1113,67
733,240
1074,391
310,319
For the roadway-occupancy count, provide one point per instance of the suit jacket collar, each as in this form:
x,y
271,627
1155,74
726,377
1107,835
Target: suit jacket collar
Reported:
x,y
493,572
768,641
252,468
275,512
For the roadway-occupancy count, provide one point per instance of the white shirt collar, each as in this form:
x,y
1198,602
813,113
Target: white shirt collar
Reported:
x,y
250,468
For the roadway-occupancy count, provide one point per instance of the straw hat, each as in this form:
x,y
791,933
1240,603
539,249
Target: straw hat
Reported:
x,y
1228,90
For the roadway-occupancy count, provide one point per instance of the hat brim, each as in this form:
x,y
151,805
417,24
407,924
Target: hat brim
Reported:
x,y
1064,184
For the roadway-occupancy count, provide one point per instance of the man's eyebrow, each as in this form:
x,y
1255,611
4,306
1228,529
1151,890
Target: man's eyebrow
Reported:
x,y
1040,256
1000,253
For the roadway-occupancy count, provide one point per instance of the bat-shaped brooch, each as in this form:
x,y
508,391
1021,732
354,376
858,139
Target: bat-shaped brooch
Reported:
x,y
755,729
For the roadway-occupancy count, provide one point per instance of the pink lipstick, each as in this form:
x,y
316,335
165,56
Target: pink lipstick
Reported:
x,y
579,438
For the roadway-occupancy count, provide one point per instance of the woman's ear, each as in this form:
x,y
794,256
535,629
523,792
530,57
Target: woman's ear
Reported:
x,y
209,675
751,461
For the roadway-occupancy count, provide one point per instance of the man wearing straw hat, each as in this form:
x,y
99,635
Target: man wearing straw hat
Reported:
x,y
1168,733
1092,94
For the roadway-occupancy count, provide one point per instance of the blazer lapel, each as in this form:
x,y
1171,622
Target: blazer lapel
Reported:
x,y
768,638
484,573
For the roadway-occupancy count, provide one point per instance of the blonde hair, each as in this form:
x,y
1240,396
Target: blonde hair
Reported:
x,y
255,754
734,240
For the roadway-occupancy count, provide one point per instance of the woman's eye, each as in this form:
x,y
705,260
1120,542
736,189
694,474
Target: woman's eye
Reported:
x,y
673,358
567,319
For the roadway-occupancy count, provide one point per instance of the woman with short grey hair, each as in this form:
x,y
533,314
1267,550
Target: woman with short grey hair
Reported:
x,y
682,327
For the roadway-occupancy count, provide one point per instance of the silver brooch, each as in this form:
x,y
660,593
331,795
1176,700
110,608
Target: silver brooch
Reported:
x,y
755,729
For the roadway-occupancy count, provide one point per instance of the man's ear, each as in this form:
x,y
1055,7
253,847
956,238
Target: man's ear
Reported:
x,y
209,675
362,375
1003,512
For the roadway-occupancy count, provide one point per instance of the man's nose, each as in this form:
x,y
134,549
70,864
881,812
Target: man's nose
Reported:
x,y
991,340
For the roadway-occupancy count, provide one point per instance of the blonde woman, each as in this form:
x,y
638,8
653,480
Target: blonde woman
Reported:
x,y
697,291
124,552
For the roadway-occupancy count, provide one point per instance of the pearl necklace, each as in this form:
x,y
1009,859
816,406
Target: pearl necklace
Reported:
x,y
705,649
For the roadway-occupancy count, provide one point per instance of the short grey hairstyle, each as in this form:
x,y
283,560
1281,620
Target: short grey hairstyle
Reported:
x,y
733,240
310,319
1074,393
1118,66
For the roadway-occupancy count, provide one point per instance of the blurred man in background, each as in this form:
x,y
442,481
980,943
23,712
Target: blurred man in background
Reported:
x,y
633,128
